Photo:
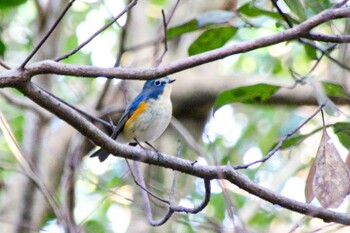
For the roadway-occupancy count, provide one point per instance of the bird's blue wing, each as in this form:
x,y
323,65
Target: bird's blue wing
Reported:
x,y
102,154
129,111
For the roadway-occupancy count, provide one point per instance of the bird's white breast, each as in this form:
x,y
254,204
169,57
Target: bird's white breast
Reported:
x,y
153,121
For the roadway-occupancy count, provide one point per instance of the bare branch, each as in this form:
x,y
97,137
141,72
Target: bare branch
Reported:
x,y
143,187
201,206
340,4
89,116
280,143
165,26
127,8
146,202
302,29
4,65
326,53
187,136
25,104
35,50
121,51
168,161
29,170
329,38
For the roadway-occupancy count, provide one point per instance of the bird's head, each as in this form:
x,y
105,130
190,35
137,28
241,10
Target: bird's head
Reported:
x,y
156,87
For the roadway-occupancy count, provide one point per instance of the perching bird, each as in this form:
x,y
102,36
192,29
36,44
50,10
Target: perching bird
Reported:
x,y
147,117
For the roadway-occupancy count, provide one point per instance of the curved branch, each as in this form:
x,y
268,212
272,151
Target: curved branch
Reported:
x,y
201,206
167,161
329,38
41,43
127,8
301,30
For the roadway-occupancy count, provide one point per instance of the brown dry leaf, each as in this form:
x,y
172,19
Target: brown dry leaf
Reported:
x,y
309,192
331,181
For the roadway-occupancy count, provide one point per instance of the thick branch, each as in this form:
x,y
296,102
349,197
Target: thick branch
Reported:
x,y
301,30
167,161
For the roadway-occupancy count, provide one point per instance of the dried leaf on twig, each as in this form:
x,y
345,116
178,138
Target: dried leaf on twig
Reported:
x,y
331,181
309,192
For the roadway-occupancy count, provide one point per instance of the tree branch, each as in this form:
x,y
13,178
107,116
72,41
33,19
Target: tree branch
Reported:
x,y
296,32
127,8
167,161
36,49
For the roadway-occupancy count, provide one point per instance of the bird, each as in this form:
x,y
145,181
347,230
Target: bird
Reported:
x,y
147,117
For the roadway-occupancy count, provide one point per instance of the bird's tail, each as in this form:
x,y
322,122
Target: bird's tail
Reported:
x,y
102,154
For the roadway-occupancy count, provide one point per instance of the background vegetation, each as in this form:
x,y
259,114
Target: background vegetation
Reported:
x,y
252,78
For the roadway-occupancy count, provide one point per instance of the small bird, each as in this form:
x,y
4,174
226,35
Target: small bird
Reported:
x,y
147,117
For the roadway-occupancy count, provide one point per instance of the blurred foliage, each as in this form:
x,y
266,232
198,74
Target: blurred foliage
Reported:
x,y
10,3
258,127
211,39
205,20
248,94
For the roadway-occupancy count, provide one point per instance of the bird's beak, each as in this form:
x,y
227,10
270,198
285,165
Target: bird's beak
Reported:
x,y
172,80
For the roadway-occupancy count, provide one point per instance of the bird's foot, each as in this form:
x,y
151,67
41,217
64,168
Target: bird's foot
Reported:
x,y
160,156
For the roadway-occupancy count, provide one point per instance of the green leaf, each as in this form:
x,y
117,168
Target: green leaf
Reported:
x,y
11,3
333,89
293,141
342,130
247,94
2,48
311,52
158,2
211,39
94,227
214,17
204,20
262,219
297,8
315,7
252,11
176,31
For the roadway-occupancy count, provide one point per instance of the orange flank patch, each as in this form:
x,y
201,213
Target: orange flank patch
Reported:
x,y
141,108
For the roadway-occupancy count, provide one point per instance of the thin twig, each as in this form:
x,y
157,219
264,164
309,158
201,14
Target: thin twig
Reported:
x,y
326,53
25,104
146,202
302,78
280,143
201,206
169,212
158,39
121,51
185,166
165,40
304,41
323,119
30,171
340,4
166,22
127,8
173,185
35,50
143,187
328,38
88,115
230,207
4,65
176,124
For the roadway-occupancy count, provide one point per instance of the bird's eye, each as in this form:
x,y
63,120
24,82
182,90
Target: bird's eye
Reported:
x,y
157,82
